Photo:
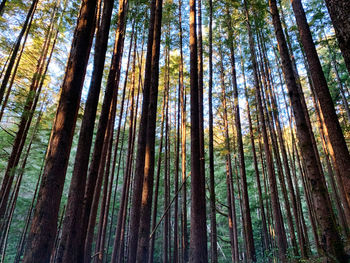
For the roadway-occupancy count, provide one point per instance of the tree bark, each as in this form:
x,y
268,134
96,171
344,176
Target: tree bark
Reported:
x,y
71,228
232,218
339,13
247,221
198,237
336,141
108,109
213,229
44,224
140,217
331,242
277,214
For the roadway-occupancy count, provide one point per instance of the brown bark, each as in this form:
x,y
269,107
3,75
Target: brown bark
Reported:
x,y
44,224
331,242
200,84
246,217
166,198
184,232
232,218
71,223
198,237
105,166
140,217
102,176
213,229
156,190
279,228
339,12
108,110
176,182
336,141
275,147
276,118
256,168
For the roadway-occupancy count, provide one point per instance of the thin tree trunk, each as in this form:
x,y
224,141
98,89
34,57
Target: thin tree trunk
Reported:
x,y
156,191
108,109
166,198
26,25
276,152
256,168
213,229
176,182
184,232
27,115
279,227
14,73
232,221
247,221
140,220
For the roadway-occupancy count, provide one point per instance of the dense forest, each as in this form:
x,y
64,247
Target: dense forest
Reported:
x,y
174,131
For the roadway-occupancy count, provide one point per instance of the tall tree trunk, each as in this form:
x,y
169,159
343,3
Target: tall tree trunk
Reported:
x,y
198,239
331,242
140,217
44,224
200,85
337,145
14,72
71,223
339,13
184,232
277,214
108,109
106,156
176,182
247,221
256,168
213,234
232,218
275,147
166,197
156,190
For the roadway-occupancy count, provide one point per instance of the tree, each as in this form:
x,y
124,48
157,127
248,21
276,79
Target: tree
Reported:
x,y
198,238
277,214
331,243
44,224
71,224
337,145
339,10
